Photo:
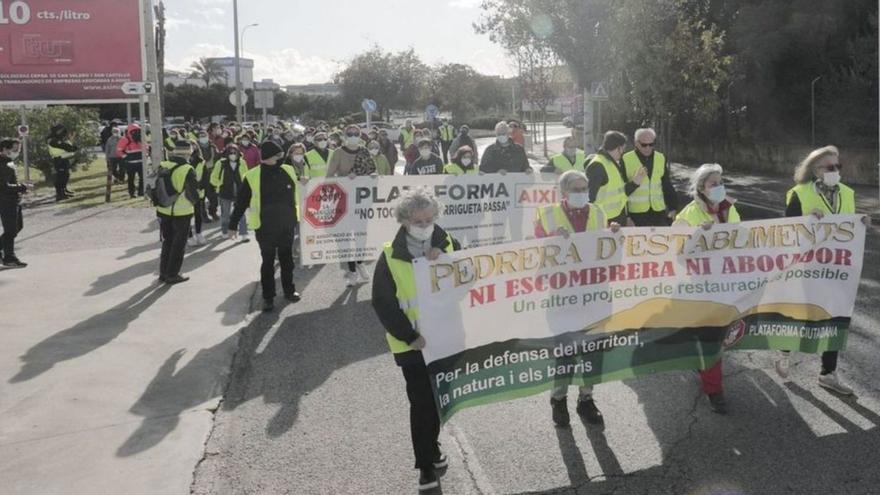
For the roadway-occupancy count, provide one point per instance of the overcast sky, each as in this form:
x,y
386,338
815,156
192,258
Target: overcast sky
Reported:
x,y
300,42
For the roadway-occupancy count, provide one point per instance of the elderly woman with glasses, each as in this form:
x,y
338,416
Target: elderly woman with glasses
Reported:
x,y
710,205
396,305
819,192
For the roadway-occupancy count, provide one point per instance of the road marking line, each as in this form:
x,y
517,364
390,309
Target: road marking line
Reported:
x,y
471,464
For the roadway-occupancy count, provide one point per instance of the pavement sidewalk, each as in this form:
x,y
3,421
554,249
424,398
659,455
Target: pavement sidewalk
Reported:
x,y
100,393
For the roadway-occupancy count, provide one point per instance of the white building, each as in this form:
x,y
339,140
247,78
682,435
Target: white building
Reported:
x,y
325,89
227,64
176,78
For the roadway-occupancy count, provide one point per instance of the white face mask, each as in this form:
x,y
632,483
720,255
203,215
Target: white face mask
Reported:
x,y
503,139
203,141
297,158
310,139
716,194
322,144
352,141
245,142
13,155
466,161
421,233
831,179
233,158
374,151
578,200
425,153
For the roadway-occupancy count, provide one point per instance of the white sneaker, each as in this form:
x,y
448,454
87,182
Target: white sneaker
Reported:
x,y
245,238
363,273
783,365
831,382
192,242
351,279
200,239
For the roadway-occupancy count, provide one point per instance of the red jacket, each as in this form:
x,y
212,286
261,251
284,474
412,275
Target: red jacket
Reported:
x,y
251,155
127,145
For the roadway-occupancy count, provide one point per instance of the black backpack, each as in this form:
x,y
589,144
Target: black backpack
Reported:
x,y
164,195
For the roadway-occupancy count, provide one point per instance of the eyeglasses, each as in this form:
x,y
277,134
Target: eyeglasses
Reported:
x,y
646,145
352,134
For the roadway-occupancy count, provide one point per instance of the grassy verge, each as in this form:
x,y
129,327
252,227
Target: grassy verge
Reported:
x,y
89,182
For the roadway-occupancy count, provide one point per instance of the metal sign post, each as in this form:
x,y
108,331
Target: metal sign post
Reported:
x,y
156,149
598,93
264,99
369,106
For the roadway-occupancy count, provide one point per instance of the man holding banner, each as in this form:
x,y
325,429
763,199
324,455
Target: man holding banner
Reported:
x,y
574,214
394,300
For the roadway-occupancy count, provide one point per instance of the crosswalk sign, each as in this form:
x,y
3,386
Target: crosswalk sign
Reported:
x,y
599,90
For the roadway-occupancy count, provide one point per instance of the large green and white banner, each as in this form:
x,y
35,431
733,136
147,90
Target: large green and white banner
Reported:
x,y
512,320
345,219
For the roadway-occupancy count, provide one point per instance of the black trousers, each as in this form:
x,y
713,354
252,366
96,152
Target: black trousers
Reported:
x,y
12,221
199,214
649,218
211,196
444,146
62,177
829,362
133,169
274,246
174,231
424,421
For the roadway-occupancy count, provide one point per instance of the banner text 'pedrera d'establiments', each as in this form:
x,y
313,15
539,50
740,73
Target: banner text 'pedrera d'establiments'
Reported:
x,y
515,319
347,219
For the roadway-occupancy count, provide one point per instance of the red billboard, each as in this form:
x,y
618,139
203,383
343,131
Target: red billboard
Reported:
x,y
69,51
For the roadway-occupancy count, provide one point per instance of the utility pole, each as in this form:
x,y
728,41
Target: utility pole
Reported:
x,y
238,98
150,166
813,111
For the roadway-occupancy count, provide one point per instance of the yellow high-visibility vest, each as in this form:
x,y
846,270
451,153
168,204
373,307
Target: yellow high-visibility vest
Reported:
x,y
182,207
612,196
553,216
649,194
561,163
254,221
455,169
694,215
405,279
811,199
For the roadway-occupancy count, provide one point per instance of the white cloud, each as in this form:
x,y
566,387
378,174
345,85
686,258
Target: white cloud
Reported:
x,y
284,66
465,4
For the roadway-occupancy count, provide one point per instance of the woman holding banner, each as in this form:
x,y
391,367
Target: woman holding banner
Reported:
x,y
819,192
574,214
394,300
710,205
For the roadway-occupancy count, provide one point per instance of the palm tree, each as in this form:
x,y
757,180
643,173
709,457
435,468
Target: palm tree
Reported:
x,y
207,70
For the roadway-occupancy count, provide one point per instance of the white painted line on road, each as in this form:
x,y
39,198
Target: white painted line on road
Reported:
x,y
269,336
472,465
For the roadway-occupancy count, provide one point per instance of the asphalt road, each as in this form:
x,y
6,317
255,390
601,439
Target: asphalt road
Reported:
x,y
316,405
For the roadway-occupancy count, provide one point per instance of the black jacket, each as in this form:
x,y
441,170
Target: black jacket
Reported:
x,y
230,180
511,157
277,210
10,189
385,302
190,184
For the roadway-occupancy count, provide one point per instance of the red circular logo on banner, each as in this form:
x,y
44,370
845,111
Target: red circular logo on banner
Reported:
x,y
326,205
735,332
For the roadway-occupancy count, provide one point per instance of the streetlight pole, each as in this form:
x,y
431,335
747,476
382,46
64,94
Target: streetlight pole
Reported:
x,y
813,110
241,46
238,109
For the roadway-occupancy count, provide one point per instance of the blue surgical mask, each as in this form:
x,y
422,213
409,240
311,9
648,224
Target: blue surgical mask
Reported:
x,y
717,194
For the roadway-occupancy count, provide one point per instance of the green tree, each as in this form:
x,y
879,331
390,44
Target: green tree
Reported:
x,y
79,120
393,80
207,70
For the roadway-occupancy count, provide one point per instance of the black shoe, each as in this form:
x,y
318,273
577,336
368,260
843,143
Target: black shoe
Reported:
x,y
162,278
175,279
268,304
587,409
68,192
292,296
440,461
428,479
14,262
560,411
717,403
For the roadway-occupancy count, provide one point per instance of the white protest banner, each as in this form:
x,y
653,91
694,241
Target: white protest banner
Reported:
x,y
346,219
515,319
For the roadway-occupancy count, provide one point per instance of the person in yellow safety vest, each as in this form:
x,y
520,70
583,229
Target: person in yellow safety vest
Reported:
x,y
174,220
605,173
269,195
62,151
447,134
462,163
296,158
573,214
395,303
318,157
227,178
407,137
198,163
571,158
654,202
710,205
819,192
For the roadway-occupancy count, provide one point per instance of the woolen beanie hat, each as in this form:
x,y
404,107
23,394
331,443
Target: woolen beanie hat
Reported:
x,y
269,149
